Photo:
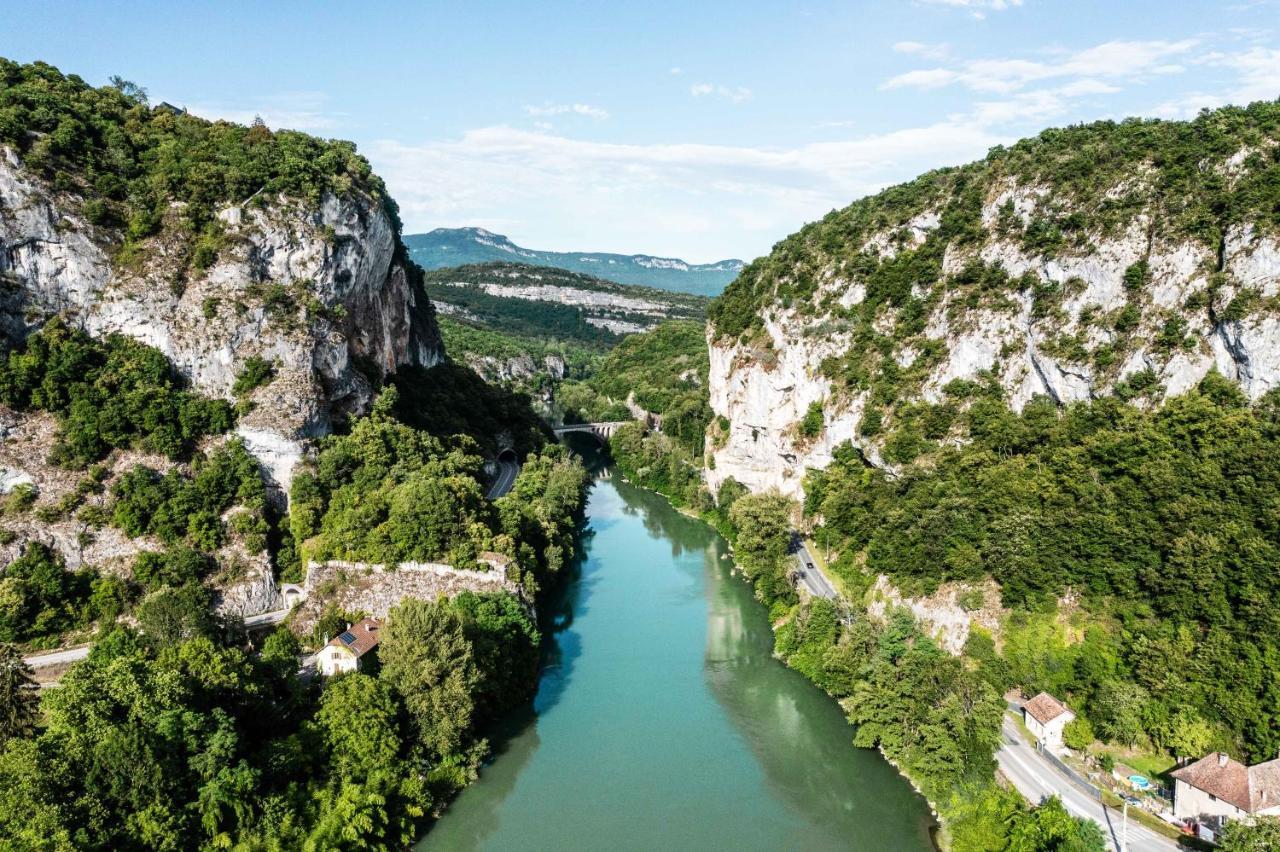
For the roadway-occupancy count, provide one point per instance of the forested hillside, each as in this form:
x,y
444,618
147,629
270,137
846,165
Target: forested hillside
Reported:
x,y
193,313
1158,527
533,326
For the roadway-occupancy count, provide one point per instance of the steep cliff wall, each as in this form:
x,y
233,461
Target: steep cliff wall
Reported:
x,y
319,289
1130,259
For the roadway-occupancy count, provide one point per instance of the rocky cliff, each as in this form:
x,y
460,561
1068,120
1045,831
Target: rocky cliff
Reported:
x,y
1127,259
320,289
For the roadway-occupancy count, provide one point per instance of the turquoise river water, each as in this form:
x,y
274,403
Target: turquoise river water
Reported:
x,y
663,722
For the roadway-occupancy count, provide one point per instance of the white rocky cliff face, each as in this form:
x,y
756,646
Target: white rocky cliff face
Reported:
x,y
764,387
314,288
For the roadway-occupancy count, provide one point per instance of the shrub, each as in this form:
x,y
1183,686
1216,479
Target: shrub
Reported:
x,y
1078,734
255,373
811,424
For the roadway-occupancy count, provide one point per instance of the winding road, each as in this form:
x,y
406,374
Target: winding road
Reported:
x,y
1037,779
507,472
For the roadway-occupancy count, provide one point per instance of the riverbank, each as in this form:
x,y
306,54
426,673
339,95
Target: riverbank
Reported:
x,y
719,521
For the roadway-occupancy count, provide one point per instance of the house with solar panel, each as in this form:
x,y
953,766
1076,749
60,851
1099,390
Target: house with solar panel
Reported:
x,y
346,650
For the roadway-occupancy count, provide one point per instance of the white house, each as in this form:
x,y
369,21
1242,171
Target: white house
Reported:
x,y
1045,717
1216,788
344,652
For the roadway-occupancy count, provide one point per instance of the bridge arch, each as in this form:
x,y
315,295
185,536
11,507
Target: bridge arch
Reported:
x,y
601,431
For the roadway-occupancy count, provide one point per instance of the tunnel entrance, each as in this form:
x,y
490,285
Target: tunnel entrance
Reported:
x,y
507,455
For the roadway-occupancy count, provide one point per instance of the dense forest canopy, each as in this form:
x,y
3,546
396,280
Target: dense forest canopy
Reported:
x,y
1162,524
130,160
176,743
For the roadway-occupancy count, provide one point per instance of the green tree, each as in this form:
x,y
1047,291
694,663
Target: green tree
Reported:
x,y
173,615
762,525
427,658
1118,709
1186,733
505,642
359,718
1049,828
19,696
1262,835
1078,734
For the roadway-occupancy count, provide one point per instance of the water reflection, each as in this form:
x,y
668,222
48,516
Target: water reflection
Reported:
x,y
851,797
668,724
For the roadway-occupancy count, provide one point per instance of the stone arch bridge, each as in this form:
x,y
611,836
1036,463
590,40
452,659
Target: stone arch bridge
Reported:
x,y
602,431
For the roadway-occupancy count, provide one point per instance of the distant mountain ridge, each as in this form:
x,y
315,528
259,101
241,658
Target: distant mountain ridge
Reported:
x,y
446,247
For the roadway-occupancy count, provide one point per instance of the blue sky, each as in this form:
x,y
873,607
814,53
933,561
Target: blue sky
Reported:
x,y
701,130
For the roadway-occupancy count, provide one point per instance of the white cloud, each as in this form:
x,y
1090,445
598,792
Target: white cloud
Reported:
x,y
676,71
1259,74
736,94
1110,60
993,5
1087,86
917,48
648,197
1257,78
285,110
1186,106
565,109
1034,106
927,78
977,8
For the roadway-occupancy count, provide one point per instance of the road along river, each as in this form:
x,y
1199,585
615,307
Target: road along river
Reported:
x,y
663,722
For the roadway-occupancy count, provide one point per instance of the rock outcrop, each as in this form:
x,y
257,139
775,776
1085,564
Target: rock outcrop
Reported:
x,y
948,615
374,589
319,289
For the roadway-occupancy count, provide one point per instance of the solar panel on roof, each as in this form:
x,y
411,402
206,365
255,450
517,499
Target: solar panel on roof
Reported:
x,y
348,638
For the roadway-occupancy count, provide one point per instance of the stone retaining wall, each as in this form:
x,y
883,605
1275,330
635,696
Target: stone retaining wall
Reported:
x,y
374,589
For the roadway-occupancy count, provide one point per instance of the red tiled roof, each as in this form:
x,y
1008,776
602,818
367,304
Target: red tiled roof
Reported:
x,y
1249,788
1044,708
360,638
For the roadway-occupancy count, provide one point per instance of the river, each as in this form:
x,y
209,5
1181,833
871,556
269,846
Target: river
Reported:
x,y
663,722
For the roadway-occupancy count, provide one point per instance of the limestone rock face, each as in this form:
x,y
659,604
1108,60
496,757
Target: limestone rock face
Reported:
x,y
764,395
764,386
319,289
942,614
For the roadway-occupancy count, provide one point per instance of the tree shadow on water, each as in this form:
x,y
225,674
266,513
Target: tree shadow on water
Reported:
x,y
513,739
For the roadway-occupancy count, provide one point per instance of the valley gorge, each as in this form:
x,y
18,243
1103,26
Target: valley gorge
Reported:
x,y
1019,417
